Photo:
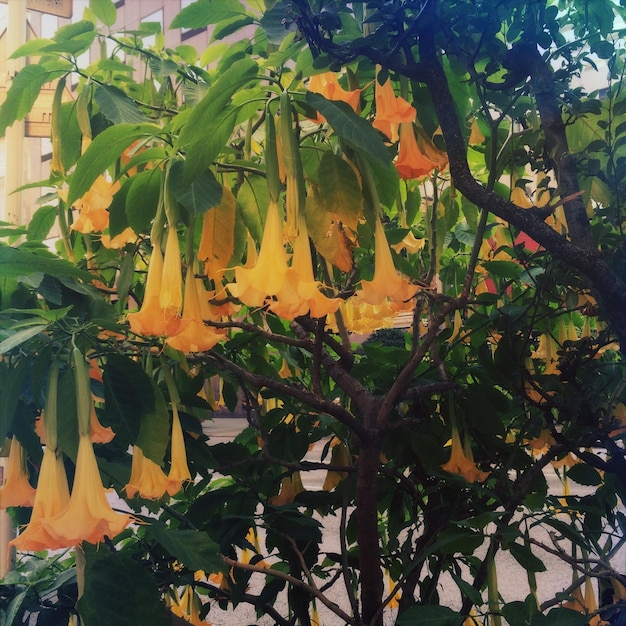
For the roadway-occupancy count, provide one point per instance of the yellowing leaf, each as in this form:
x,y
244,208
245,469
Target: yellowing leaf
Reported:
x,y
217,242
340,190
329,238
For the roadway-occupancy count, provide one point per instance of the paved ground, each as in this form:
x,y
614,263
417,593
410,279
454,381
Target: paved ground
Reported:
x,y
513,583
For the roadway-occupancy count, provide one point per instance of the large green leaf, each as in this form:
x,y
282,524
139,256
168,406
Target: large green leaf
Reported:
x,y
15,262
203,193
211,121
41,223
119,590
204,12
129,397
12,380
427,615
340,190
67,417
154,432
102,153
104,10
192,548
117,107
353,129
19,337
252,199
22,94
142,199
523,555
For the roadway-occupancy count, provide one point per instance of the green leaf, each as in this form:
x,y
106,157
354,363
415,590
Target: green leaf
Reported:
x,y
584,474
12,380
503,269
22,94
103,152
523,555
142,199
211,121
129,397
14,610
204,12
252,199
117,107
427,615
67,419
104,10
19,337
353,129
41,223
119,590
340,190
203,193
15,262
194,549
118,221
154,432
454,540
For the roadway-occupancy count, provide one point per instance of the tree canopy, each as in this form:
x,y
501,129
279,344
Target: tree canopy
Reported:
x,y
389,230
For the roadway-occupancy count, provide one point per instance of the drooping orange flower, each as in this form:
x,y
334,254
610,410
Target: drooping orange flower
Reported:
x,y
128,235
92,207
152,318
16,491
146,477
179,470
171,295
196,335
99,433
188,607
327,84
391,110
411,161
387,282
290,487
51,499
267,277
300,293
88,516
462,460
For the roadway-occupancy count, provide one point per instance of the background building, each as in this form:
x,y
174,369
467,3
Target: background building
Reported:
x,y
31,157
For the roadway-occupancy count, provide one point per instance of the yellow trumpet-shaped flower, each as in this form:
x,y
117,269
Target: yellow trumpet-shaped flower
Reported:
x,y
411,161
267,277
179,470
300,293
290,487
146,477
51,499
462,460
88,516
196,336
93,214
16,491
387,282
171,295
391,110
152,318
327,84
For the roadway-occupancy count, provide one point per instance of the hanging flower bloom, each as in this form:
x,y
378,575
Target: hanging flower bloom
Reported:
x,y
152,318
300,293
146,477
327,84
476,135
391,110
171,295
179,470
128,235
93,214
188,607
462,460
99,433
387,282
196,335
51,499
290,487
88,516
267,276
411,162
16,491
